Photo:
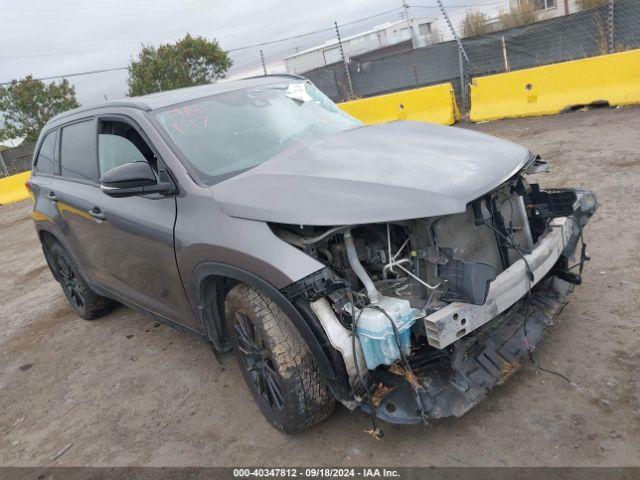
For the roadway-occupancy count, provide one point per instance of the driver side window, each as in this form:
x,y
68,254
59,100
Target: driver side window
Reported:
x,y
120,143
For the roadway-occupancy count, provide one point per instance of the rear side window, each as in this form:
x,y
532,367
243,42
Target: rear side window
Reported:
x,y
78,151
45,159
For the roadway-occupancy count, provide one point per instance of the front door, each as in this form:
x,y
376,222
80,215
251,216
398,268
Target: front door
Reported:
x,y
130,245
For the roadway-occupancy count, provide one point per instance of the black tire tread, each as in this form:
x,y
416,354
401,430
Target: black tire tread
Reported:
x,y
96,306
291,354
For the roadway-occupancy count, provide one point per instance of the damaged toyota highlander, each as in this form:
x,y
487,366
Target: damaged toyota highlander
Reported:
x,y
404,269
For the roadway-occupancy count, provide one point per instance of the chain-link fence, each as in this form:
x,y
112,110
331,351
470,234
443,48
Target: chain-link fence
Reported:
x,y
611,27
16,160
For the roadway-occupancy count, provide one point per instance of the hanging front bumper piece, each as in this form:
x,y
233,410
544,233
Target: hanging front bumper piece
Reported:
x,y
463,375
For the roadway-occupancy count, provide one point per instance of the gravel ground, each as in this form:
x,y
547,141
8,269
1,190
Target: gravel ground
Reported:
x,y
125,390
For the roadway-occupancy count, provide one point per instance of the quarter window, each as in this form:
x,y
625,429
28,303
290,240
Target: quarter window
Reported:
x,y
78,151
45,159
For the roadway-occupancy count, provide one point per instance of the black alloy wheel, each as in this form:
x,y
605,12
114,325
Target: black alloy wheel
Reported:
x,y
258,362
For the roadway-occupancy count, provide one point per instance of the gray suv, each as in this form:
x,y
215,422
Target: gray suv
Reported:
x,y
404,269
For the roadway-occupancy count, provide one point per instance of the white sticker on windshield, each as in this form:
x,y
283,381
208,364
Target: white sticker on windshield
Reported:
x,y
298,92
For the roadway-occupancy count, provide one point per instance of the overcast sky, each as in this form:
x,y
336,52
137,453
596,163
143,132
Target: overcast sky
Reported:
x,y
52,37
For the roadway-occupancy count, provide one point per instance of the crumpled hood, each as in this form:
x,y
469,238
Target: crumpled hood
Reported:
x,y
394,171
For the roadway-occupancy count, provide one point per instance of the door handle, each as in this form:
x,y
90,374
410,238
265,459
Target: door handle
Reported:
x,y
96,213
52,196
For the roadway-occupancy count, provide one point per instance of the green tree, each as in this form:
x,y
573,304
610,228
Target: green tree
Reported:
x,y
28,104
191,61
475,23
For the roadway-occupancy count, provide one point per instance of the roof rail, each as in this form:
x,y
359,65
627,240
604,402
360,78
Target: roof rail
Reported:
x,y
96,106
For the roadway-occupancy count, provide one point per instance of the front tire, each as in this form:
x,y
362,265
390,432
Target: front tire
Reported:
x,y
86,303
279,369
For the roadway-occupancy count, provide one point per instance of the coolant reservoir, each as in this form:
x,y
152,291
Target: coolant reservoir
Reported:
x,y
376,334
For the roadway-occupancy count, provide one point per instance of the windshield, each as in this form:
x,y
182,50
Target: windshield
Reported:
x,y
225,134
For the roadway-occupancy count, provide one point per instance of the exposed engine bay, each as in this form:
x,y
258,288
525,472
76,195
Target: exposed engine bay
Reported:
x,y
411,308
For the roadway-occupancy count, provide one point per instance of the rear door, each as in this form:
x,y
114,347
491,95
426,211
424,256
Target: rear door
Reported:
x,y
74,191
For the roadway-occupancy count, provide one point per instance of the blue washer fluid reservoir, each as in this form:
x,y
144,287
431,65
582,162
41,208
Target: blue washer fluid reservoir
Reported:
x,y
375,332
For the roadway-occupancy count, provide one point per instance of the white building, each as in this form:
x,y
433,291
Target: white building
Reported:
x,y
546,9
419,30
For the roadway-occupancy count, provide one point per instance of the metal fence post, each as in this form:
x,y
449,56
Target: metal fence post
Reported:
x,y
610,26
347,74
505,58
4,172
463,81
456,37
462,56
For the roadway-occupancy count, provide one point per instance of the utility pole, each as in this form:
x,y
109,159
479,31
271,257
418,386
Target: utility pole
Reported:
x,y
264,68
406,16
405,10
344,62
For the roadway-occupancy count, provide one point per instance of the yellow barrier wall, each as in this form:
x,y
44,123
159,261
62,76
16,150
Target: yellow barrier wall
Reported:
x,y
553,88
434,104
12,189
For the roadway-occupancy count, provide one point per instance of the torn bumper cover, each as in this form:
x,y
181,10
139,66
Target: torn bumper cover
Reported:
x,y
460,379
480,346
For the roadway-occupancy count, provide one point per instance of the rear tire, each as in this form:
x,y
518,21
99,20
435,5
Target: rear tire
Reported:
x,y
86,303
276,363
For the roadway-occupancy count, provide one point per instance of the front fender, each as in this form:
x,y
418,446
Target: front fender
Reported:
x,y
212,269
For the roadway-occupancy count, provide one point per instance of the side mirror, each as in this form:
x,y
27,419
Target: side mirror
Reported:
x,y
136,178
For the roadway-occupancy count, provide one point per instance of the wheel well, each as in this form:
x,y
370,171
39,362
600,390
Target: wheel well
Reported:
x,y
214,281
47,239
213,292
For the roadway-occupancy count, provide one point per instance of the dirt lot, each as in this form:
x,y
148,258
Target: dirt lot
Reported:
x,y
125,390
